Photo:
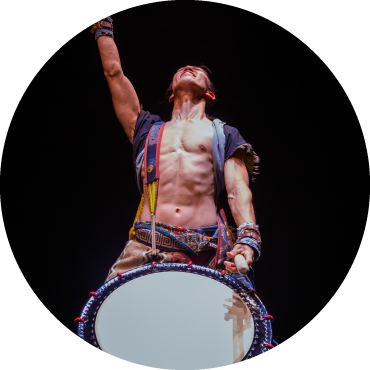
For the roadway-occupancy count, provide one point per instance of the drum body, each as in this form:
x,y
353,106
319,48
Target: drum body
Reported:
x,y
175,316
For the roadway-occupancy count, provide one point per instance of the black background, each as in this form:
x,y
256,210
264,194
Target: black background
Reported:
x,y
68,190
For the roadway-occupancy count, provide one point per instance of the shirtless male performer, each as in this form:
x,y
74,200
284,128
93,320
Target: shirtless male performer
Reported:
x,y
197,158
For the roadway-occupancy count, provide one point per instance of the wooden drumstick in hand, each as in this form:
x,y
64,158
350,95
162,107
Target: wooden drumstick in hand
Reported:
x,y
241,264
243,258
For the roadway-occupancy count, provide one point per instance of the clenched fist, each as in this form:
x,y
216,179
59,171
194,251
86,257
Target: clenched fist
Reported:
x,y
243,249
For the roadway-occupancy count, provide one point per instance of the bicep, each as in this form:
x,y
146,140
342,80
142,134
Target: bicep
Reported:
x,y
236,174
125,102
238,192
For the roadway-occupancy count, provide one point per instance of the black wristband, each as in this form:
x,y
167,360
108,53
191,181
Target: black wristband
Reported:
x,y
103,32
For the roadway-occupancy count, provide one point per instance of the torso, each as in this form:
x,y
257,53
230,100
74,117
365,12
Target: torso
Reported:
x,y
187,184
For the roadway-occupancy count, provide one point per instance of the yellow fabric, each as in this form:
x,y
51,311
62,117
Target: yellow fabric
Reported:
x,y
131,235
232,236
151,190
152,200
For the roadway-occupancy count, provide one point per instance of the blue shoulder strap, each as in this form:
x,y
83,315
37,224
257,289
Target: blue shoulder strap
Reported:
x,y
218,154
151,163
152,151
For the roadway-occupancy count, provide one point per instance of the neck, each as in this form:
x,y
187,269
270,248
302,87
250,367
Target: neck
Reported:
x,y
187,107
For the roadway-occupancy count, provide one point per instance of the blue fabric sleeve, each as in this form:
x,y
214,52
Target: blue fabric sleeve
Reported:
x,y
234,141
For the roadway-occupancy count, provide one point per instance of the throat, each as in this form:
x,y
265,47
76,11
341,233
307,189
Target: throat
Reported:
x,y
188,111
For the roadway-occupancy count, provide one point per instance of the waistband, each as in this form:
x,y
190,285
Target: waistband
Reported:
x,y
177,238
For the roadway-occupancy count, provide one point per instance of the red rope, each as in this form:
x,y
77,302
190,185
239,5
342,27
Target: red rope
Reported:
x,y
253,291
269,345
78,319
153,264
120,275
189,264
269,317
223,273
94,294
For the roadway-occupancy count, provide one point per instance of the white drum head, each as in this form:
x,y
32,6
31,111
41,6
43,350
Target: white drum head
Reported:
x,y
175,320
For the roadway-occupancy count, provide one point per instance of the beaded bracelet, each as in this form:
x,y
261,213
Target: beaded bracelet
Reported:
x,y
253,243
103,28
248,233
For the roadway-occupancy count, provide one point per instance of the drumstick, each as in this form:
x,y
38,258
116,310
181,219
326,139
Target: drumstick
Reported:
x,y
241,264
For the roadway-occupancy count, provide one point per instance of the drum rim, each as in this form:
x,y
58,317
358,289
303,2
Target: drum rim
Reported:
x,y
262,327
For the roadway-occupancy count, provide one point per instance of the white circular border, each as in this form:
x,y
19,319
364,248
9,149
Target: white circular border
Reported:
x,y
336,31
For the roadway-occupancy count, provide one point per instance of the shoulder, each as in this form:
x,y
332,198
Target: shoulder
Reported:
x,y
236,146
143,125
144,122
233,140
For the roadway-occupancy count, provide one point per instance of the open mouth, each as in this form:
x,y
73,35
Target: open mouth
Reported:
x,y
191,72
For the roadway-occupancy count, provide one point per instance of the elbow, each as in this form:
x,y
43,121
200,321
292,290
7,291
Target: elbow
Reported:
x,y
231,194
240,194
113,70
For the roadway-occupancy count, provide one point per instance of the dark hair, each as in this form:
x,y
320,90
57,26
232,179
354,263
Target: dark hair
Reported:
x,y
211,88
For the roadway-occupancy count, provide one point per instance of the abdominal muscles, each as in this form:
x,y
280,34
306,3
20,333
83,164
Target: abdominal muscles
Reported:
x,y
186,188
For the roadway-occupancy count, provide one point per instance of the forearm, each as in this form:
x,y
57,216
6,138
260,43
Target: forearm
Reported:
x,y
240,202
109,56
125,101
248,240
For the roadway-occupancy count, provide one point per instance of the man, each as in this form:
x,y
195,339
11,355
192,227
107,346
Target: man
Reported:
x,y
197,158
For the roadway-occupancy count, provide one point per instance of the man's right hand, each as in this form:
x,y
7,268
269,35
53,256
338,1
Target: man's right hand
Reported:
x,y
243,249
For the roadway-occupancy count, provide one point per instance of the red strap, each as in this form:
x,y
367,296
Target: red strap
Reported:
x,y
269,345
269,317
223,273
94,294
189,264
153,264
222,212
78,319
224,216
120,275
252,291
218,240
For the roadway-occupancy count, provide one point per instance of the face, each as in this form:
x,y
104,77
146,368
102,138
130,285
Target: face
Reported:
x,y
190,77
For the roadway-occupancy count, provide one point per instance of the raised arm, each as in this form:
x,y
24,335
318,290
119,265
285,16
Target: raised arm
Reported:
x,y
240,202
125,101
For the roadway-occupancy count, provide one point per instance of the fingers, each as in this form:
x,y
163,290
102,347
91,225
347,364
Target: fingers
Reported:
x,y
230,266
248,255
234,252
243,249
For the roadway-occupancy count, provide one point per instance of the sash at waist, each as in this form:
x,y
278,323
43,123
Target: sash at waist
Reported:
x,y
177,238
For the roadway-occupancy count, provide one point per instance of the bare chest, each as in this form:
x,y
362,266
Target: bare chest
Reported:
x,y
192,138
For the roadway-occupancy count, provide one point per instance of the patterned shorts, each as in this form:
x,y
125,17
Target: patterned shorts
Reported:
x,y
136,254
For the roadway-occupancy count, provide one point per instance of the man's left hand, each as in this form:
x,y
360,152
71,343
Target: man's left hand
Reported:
x,y
243,249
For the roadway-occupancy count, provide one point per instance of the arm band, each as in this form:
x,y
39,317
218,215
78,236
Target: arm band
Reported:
x,y
103,32
253,243
103,28
248,233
